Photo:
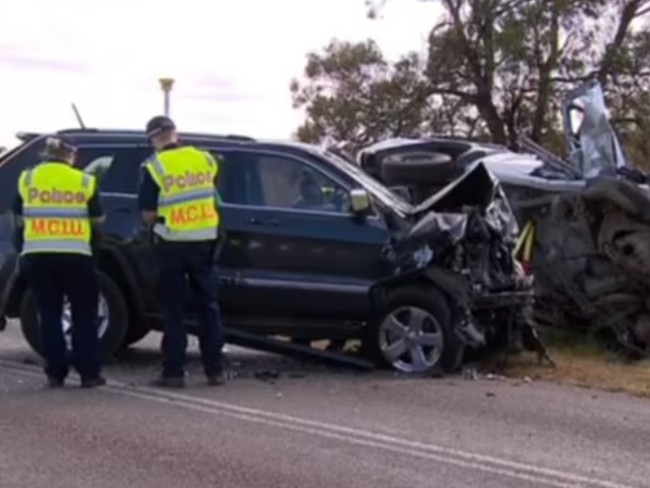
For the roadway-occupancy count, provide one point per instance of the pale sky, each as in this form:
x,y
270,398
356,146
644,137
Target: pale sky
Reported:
x,y
232,59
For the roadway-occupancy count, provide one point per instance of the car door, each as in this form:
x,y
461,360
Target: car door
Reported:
x,y
118,170
12,163
116,167
303,258
230,258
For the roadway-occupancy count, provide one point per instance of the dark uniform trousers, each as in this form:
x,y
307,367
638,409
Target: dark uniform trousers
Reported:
x,y
176,261
52,276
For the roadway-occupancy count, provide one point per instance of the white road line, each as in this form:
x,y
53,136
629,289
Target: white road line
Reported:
x,y
461,458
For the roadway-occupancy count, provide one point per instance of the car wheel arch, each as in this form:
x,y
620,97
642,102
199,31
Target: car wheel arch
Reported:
x,y
451,285
111,261
115,265
421,295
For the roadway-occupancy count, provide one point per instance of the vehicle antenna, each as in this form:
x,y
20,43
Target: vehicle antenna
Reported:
x,y
78,116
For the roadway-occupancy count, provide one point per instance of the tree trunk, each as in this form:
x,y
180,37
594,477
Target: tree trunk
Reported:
x,y
494,122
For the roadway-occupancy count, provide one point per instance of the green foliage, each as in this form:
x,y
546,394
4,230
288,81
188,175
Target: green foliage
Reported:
x,y
494,68
351,92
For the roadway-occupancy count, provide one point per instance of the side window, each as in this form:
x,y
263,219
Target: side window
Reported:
x,y
117,169
284,182
223,186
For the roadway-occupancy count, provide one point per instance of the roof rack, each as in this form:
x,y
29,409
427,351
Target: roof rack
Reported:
x,y
27,136
134,132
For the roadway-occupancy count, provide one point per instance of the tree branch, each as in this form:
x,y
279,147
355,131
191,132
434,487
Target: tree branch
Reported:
x,y
507,6
470,54
468,96
628,14
643,12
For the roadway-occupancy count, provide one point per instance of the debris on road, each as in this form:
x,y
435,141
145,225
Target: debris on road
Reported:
x,y
268,376
470,373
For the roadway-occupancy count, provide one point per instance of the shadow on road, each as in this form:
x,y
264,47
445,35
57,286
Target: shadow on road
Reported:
x,y
245,364
143,360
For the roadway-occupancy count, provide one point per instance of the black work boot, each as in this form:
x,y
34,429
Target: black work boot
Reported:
x,y
217,379
93,382
168,382
220,374
55,382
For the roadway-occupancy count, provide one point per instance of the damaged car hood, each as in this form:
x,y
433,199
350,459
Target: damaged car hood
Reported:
x,y
477,188
444,218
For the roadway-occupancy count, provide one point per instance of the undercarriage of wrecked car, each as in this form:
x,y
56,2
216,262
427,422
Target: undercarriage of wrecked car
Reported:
x,y
593,251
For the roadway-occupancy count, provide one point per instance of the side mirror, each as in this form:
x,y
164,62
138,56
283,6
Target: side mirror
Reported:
x,y
359,201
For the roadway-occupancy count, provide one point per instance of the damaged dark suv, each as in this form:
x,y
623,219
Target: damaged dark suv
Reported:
x,y
312,249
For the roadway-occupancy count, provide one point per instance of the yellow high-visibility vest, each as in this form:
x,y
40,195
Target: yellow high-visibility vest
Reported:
x,y
55,209
185,177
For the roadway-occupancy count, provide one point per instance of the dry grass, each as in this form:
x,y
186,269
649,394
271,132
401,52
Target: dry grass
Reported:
x,y
584,368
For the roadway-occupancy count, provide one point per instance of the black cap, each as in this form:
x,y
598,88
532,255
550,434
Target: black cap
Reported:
x,y
58,143
159,124
55,146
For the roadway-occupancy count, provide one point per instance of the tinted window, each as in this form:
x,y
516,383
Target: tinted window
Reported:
x,y
11,165
284,182
223,177
117,169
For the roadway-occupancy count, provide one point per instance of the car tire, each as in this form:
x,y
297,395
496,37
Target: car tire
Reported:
x,y
114,333
443,350
418,168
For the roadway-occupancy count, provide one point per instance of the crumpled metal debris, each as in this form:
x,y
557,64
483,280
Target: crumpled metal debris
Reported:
x,y
465,235
593,262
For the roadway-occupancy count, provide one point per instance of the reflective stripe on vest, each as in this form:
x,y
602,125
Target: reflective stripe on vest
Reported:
x,y
58,245
185,197
186,200
194,235
55,199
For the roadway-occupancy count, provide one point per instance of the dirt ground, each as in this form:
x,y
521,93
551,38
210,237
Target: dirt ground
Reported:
x,y
584,365
587,369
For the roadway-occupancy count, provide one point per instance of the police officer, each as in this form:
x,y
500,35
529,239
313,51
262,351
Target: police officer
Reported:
x,y
55,210
179,202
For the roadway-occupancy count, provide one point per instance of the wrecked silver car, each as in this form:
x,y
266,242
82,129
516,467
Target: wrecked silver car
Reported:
x,y
592,262
585,237
591,248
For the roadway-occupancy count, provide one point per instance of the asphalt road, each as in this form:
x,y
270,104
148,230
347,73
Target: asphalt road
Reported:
x,y
311,427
